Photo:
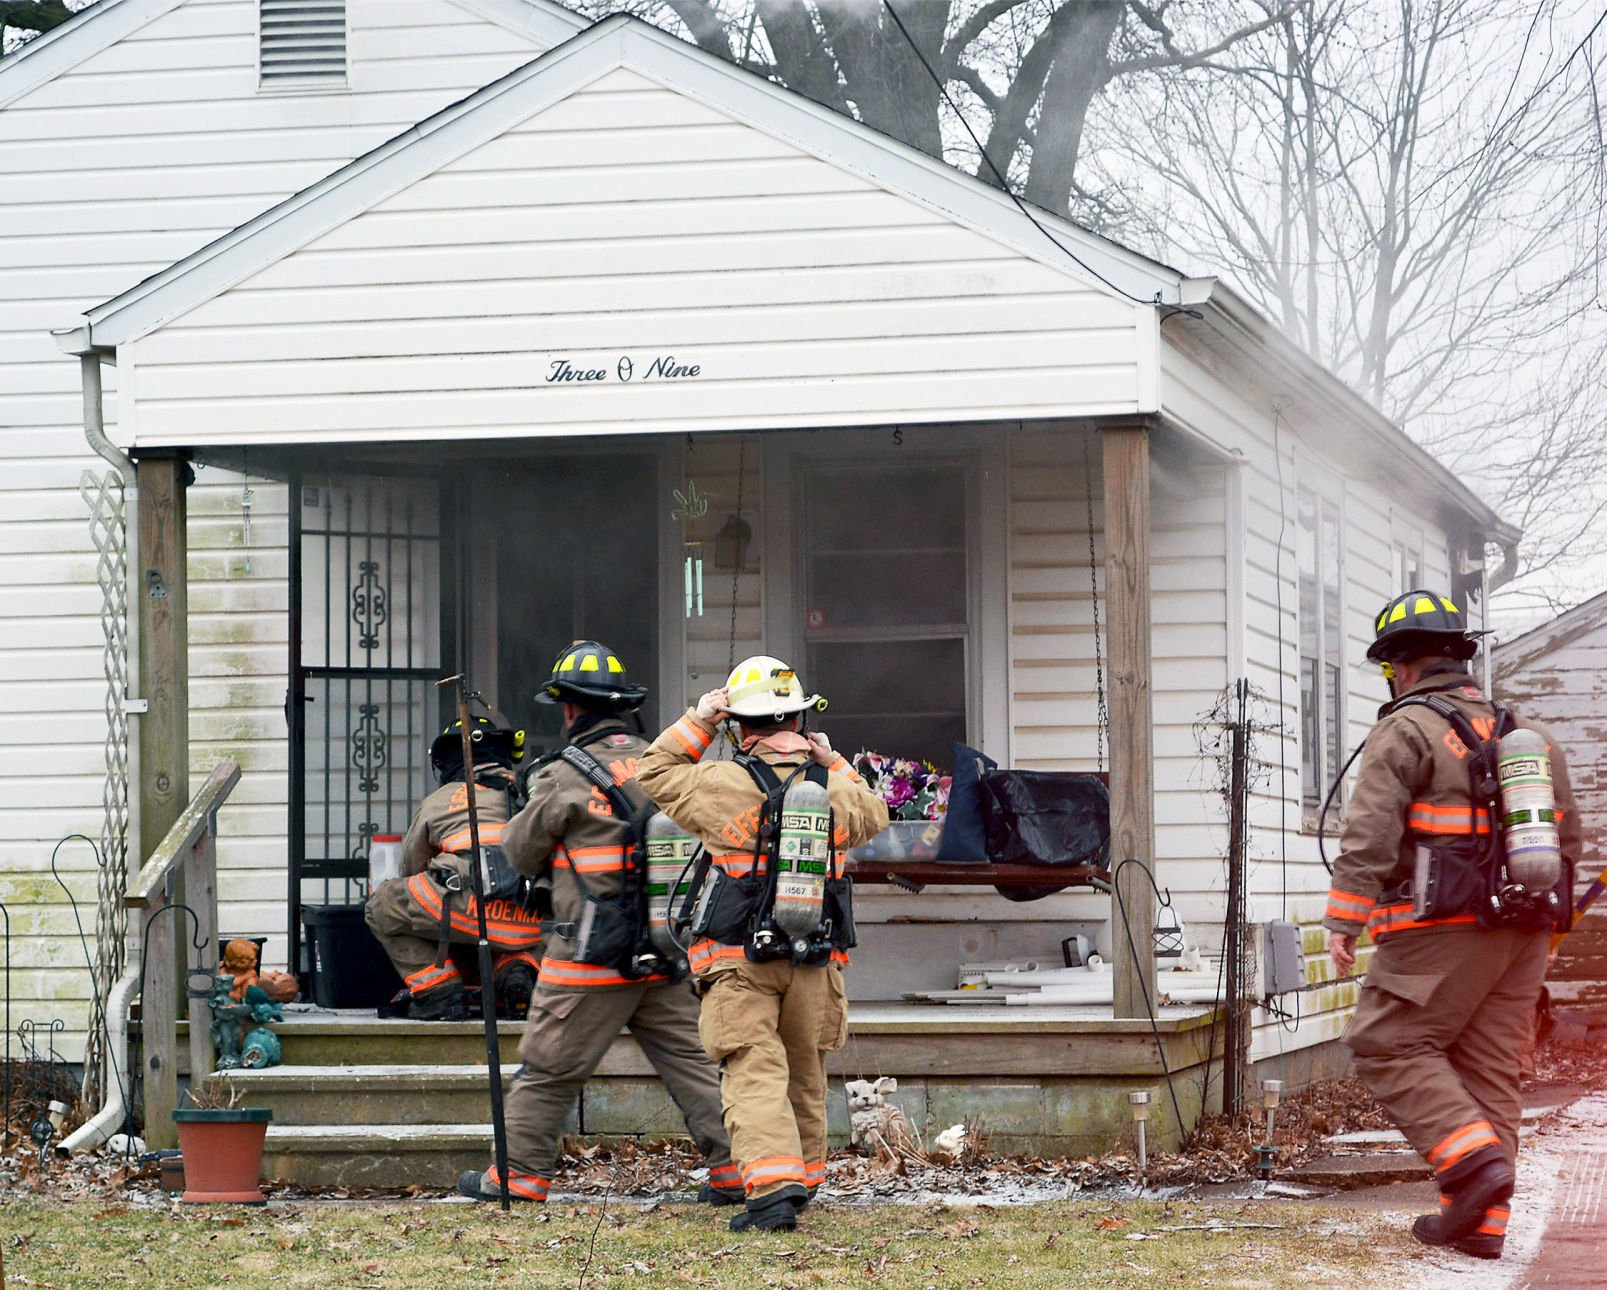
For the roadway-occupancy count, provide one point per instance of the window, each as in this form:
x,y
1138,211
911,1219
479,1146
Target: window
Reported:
x,y
886,598
1322,654
1406,568
303,43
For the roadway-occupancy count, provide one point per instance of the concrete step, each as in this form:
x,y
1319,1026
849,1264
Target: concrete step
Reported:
x,y
357,1096
337,1039
362,1095
374,1155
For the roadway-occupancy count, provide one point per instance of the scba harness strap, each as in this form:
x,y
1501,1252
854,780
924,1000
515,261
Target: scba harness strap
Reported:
x,y
614,933
741,910
1469,875
499,879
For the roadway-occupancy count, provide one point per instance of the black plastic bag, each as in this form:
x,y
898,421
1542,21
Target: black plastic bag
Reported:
x,y
1049,818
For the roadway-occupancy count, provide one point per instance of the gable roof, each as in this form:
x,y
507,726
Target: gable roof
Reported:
x,y
1567,627
622,41
104,23
616,42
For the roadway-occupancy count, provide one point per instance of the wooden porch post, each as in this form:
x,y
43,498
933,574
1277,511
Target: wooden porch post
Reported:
x,y
164,762
164,665
1125,452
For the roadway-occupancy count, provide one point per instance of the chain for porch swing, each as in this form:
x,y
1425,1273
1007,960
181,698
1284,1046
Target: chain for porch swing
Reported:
x,y
736,564
1103,718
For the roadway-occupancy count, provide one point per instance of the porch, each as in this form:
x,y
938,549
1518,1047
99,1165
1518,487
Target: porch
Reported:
x,y
1010,614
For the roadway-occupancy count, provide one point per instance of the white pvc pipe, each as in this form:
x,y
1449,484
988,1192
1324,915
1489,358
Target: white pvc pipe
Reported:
x,y
109,1118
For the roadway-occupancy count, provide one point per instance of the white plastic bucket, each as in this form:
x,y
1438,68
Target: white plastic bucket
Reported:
x,y
384,858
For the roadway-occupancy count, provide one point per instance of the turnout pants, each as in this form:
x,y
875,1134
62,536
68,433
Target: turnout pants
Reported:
x,y
770,1026
565,1037
1438,1035
405,916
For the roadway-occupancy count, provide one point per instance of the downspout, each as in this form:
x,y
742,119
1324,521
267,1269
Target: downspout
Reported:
x,y
111,1116
1492,582
109,1119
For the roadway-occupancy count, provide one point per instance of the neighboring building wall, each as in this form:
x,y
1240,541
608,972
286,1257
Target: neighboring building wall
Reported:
x,y
132,159
1554,675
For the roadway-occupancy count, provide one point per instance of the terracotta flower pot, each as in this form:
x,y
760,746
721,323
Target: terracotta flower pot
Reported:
x,y
222,1149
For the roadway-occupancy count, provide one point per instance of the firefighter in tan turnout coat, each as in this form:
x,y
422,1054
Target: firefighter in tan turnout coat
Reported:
x,y
420,915
570,837
1448,1003
768,1023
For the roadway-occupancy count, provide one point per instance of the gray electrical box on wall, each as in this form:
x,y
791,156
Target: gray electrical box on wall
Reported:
x,y
1283,964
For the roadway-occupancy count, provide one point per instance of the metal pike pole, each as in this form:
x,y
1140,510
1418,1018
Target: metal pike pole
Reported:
x,y
488,1002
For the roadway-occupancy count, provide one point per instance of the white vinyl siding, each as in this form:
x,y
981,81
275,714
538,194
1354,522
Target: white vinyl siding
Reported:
x,y
133,157
628,221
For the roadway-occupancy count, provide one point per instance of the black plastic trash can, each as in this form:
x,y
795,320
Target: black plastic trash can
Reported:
x,y
349,969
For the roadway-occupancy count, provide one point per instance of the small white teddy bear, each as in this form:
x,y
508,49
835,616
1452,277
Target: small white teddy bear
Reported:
x,y
874,1124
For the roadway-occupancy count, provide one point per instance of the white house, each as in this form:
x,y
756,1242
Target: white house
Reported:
x,y
630,344
130,136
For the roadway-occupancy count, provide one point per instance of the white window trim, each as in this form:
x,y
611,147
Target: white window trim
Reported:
x,y
1312,480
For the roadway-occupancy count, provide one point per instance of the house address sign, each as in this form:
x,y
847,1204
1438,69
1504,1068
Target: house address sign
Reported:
x,y
625,369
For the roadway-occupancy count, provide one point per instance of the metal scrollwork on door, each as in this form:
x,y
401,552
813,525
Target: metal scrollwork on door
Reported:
x,y
370,748
365,834
369,605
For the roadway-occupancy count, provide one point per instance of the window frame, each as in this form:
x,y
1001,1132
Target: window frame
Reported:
x,y
1327,719
985,454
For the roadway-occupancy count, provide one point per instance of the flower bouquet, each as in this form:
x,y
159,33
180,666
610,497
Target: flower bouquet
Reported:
x,y
917,797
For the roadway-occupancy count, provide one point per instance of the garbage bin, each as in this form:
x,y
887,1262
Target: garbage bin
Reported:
x,y
349,968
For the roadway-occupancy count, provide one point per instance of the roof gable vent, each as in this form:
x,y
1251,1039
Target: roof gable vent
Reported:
x,y
303,43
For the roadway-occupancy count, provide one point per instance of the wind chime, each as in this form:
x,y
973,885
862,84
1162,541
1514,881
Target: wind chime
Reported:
x,y
692,509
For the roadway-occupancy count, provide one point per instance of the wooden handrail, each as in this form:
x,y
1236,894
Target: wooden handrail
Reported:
x,y
181,838
169,940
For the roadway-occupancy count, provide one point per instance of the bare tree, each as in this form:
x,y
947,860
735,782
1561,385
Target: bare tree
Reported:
x,y
1416,192
1023,73
31,18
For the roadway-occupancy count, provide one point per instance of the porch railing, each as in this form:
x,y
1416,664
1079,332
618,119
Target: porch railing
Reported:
x,y
190,849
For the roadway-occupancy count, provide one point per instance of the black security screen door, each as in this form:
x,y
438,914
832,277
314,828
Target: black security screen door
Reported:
x,y
371,633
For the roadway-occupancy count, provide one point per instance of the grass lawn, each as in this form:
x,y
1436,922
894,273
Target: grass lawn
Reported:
x,y
1072,1243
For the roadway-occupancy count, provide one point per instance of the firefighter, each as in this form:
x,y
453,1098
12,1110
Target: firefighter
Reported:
x,y
573,836
1449,998
769,1021
419,916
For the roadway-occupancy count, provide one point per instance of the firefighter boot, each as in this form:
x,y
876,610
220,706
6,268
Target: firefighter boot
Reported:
x,y
775,1212
485,1186
515,984
1464,1202
1486,1242
444,1003
709,1194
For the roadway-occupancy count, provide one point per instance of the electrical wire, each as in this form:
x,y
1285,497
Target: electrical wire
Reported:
x,y
998,177
1322,816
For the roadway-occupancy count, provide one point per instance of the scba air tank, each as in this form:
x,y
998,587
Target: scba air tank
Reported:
x,y
803,857
1528,811
669,849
